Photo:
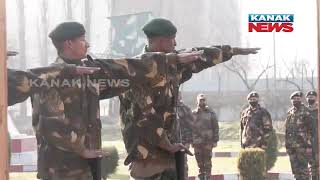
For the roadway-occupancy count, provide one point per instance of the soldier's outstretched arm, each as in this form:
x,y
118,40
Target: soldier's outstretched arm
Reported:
x,y
149,68
19,88
22,84
212,56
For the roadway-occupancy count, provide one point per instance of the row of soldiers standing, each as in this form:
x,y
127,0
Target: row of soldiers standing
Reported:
x,y
301,135
200,128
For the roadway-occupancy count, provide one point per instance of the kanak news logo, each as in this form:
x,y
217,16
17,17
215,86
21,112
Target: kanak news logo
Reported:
x,y
270,22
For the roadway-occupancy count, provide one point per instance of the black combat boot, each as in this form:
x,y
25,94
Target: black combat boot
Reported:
x,y
208,177
201,177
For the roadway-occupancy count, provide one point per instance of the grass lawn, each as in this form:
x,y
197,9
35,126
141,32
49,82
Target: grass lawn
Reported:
x,y
220,165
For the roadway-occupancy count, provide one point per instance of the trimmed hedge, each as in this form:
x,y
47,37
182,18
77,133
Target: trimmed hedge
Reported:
x,y
272,150
109,164
252,164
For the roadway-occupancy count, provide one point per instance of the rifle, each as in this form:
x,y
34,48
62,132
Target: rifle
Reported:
x,y
180,155
180,165
95,167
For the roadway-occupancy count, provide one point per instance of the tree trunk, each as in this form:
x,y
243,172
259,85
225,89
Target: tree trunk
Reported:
x,y
69,9
87,13
44,38
22,47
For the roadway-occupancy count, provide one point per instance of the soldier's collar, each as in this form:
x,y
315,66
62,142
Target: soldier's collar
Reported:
x,y
71,61
298,108
147,49
254,108
180,103
315,106
204,109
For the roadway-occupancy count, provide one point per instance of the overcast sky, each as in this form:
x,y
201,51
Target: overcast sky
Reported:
x,y
301,43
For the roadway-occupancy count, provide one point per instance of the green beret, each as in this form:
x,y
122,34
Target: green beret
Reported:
x,y
296,93
253,94
159,27
311,93
67,31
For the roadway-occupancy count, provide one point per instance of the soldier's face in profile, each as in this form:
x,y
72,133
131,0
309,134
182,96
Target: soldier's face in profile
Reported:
x,y
78,47
168,44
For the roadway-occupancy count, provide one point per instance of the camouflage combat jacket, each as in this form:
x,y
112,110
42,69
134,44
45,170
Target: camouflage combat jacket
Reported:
x,y
205,127
298,128
66,119
256,126
183,124
314,114
147,112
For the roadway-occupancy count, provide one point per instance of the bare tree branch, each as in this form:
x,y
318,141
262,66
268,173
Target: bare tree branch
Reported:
x,y
260,75
242,72
292,82
243,79
310,81
290,70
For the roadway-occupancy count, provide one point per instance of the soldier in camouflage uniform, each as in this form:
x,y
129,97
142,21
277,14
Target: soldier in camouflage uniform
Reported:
x,y
298,132
183,127
147,113
255,124
205,136
66,117
312,105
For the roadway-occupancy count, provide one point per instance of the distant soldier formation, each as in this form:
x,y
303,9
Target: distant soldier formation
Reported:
x,y
301,139
156,125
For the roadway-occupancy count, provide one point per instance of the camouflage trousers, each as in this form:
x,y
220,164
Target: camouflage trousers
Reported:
x,y
299,163
203,154
314,166
92,172
186,162
84,175
165,175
